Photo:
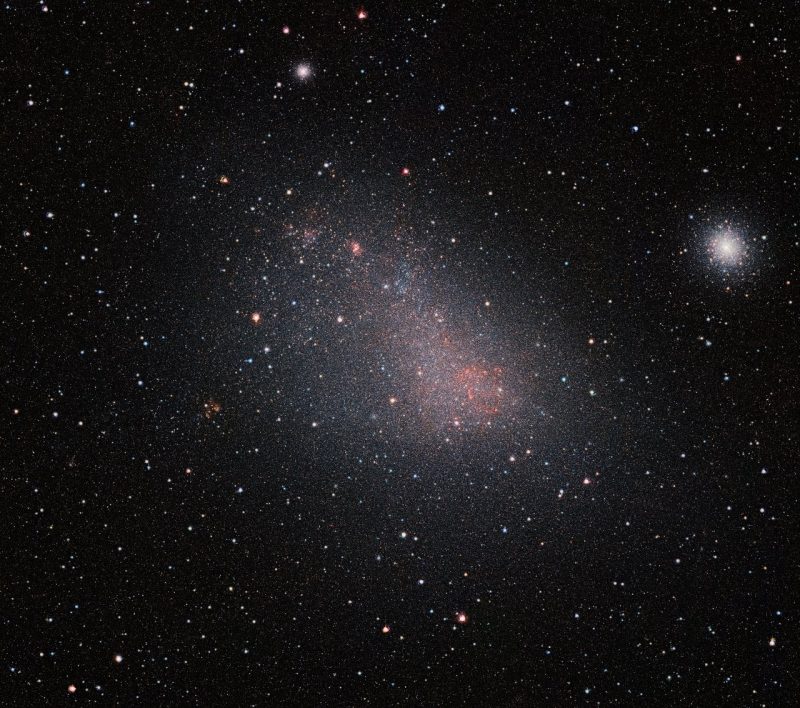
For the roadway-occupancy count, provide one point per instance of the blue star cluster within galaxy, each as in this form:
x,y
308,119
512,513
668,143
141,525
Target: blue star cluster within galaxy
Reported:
x,y
414,354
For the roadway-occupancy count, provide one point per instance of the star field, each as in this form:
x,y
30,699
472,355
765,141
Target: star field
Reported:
x,y
409,354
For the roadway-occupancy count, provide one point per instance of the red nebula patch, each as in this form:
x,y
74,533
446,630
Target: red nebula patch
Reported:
x,y
482,388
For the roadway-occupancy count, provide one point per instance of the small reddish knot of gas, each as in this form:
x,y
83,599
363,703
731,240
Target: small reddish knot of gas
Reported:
x,y
482,388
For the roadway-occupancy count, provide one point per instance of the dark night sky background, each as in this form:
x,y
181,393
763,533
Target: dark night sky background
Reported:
x,y
399,354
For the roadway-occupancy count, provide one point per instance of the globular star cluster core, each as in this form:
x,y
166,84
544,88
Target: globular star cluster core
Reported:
x,y
727,248
415,354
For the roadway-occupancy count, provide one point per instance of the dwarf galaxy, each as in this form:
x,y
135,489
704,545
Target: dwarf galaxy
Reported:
x,y
406,354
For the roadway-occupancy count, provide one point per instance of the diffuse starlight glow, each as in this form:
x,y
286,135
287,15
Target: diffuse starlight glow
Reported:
x,y
395,347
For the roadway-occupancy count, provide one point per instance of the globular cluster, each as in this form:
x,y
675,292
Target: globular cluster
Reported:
x,y
727,248
412,354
